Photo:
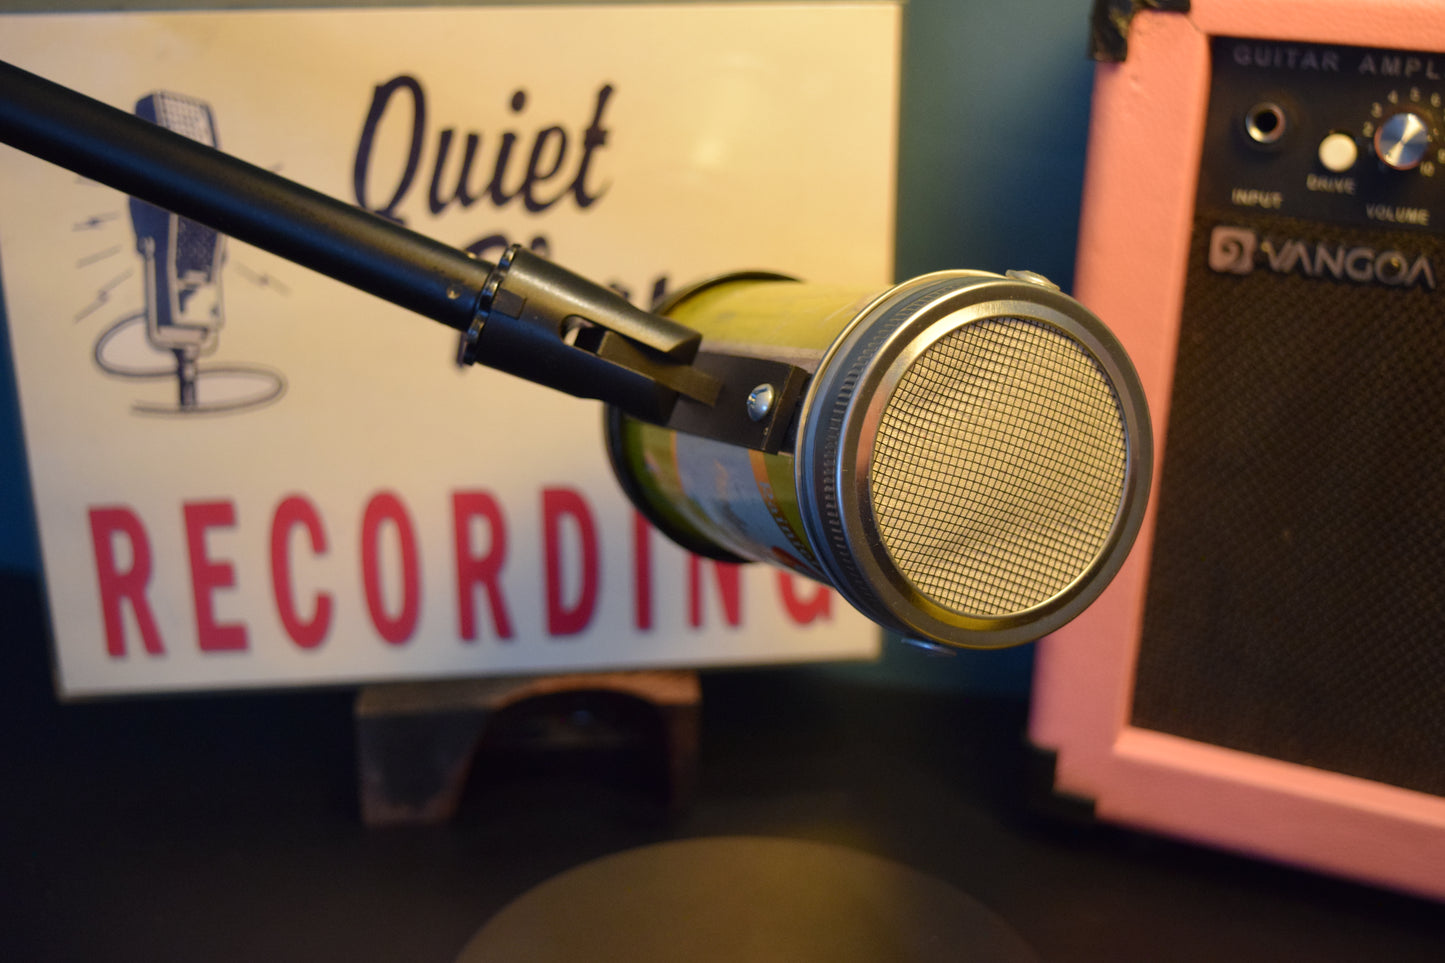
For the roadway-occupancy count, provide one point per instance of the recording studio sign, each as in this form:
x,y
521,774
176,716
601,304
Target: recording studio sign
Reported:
x,y
570,578
245,474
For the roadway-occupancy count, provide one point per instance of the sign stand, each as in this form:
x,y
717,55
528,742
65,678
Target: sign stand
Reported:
x,y
416,741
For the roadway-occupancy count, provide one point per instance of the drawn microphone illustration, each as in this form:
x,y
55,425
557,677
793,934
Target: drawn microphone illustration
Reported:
x,y
184,304
183,259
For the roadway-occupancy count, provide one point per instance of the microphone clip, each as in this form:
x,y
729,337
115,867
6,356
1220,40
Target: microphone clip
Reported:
x,y
541,322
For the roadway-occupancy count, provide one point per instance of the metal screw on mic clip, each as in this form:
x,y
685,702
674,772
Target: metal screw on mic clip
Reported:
x,y
760,402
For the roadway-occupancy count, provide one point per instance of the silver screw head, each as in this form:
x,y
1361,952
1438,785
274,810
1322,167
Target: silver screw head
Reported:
x,y
760,402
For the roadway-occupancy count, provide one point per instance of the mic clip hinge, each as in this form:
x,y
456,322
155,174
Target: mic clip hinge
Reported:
x,y
687,380
543,323
756,407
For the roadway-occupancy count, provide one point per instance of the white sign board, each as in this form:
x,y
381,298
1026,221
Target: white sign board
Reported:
x,y
277,480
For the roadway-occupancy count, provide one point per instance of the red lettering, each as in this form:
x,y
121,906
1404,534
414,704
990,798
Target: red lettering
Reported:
x,y
730,590
804,611
208,575
475,569
117,586
641,572
395,629
559,504
293,511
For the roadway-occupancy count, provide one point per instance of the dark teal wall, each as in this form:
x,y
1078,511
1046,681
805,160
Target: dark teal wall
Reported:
x,y
993,124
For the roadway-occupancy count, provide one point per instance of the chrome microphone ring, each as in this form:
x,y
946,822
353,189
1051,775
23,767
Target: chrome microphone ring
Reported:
x,y
849,512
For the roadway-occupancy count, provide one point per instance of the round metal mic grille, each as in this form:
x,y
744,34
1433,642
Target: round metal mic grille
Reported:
x,y
998,467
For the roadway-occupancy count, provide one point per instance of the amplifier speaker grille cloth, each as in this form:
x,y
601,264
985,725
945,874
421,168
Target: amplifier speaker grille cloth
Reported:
x,y
1296,604
999,467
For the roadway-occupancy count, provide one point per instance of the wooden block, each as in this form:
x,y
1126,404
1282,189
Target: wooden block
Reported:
x,y
416,741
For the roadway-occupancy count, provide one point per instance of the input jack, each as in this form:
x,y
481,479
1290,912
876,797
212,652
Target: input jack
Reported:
x,y
1265,123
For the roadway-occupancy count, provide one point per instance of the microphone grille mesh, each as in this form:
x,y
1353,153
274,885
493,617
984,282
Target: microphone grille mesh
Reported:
x,y
998,467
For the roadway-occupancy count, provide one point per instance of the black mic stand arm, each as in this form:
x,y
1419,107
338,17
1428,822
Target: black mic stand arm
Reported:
x,y
524,315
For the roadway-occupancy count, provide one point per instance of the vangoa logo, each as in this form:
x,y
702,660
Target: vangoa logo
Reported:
x,y
1231,250
1239,250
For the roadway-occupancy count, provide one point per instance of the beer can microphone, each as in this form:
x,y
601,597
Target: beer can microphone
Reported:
x,y
968,465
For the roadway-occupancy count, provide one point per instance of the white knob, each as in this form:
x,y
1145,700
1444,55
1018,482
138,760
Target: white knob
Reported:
x,y
1338,152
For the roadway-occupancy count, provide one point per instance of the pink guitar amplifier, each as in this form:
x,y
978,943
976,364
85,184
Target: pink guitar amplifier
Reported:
x,y
1264,228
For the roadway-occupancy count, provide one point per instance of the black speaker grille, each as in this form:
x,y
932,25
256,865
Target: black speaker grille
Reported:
x,y
1296,605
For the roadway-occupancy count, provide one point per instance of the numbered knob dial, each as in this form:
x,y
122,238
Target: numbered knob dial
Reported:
x,y
1402,140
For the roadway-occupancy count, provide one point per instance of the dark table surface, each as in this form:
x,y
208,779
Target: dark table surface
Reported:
x,y
226,827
